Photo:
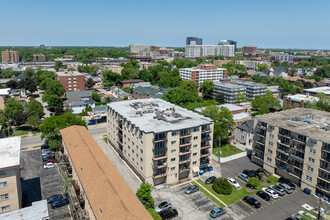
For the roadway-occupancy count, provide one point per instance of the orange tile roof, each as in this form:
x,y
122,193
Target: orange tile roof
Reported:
x,y
107,192
295,78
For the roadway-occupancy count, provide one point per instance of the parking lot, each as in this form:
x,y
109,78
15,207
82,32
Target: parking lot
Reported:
x,y
39,183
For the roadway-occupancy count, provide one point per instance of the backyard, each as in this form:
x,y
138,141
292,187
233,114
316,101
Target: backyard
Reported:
x,y
237,194
226,150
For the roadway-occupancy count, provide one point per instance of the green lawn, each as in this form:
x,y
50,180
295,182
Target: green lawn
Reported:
x,y
237,194
18,132
209,195
226,150
154,214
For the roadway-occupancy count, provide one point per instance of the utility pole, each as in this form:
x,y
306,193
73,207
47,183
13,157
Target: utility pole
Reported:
x,y
219,153
319,201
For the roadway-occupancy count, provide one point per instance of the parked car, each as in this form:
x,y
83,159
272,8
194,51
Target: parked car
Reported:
x,y
210,180
249,173
263,195
278,190
296,217
260,170
243,176
92,123
49,165
50,161
52,198
217,212
288,182
169,213
285,187
252,201
270,192
163,206
191,189
59,203
234,183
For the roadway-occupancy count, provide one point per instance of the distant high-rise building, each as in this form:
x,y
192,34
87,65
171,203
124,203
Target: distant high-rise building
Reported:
x,y
228,42
71,80
39,58
194,41
10,56
209,50
136,48
249,50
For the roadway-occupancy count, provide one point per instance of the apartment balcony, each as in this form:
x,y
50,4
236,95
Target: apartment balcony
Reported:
x,y
184,153
297,158
185,135
283,159
262,134
205,155
66,159
159,157
326,149
159,149
158,166
260,141
323,188
203,162
184,169
261,127
159,175
184,161
259,148
185,144
324,178
206,131
76,186
205,147
282,151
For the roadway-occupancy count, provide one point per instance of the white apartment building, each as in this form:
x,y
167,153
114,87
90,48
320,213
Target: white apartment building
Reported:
x,y
203,73
209,50
252,65
161,142
136,48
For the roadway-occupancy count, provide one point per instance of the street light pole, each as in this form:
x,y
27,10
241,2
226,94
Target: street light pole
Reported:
x,y
219,154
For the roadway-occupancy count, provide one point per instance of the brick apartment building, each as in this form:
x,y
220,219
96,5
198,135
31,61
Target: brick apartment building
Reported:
x,y
71,80
39,58
298,100
10,56
249,49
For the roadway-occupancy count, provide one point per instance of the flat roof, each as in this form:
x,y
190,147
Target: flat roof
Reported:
x,y
250,84
231,107
324,89
69,73
108,194
10,149
241,116
38,211
302,97
228,85
304,121
157,115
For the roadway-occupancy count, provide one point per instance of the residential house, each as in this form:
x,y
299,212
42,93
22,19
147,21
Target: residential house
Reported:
x,y
129,83
77,101
244,133
149,92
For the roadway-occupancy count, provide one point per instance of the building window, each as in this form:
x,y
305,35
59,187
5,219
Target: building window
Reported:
x,y
194,154
195,146
271,135
270,151
129,155
309,178
242,137
173,151
194,163
172,168
141,151
311,160
141,168
172,159
133,158
195,138
174,133
313,141
141,159
270,143
132,151
5,208
309,168
269,159
173,142
2,172
137,155
4,196
312,151
3,185
196,129
271,127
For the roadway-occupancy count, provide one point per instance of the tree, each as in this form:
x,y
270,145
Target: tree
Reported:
x,y
253,182
20,117
12,106
239,98
110,78
29,72
265,103
31,86
262,67
144,195
58,65
287,107
223,121
181,96
207,87
53,87
96,97
323,102
90,83
222,186
34,121
35,108
220,98
12,84
285,65
54,101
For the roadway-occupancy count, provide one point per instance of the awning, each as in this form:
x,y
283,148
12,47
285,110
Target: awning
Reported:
x,y
195,169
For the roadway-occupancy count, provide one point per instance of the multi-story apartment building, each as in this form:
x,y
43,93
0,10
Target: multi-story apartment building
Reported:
x,y
136,48
290,57
203,72
295,144
161,142
39,58
194,41
10,56
71,80
253,90
228,90
298,100
97,189
252,64
249,50
114,68
193,51
10,174
228,42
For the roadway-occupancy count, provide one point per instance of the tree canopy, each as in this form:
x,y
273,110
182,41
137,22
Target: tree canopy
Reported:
x,y
265,103
35,108
12,106
207,87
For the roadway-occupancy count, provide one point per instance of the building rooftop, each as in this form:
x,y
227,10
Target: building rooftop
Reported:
x,y
228,85
241,116
302,97
304,121
108,194
246,126
69,73
250,84
4,91
38,211
324,90
231,107
157,115
78,94
10,149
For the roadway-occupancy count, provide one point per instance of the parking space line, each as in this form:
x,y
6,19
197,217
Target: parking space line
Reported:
x,y
248,206
241,209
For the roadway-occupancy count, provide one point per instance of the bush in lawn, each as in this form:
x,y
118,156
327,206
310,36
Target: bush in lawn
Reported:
x,y
222,186
253,182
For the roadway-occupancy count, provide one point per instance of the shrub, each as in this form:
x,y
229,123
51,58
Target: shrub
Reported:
x,y
144,195
253,182
222,186
154,214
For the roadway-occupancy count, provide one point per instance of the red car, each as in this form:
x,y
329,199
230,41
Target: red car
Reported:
x,y
50,161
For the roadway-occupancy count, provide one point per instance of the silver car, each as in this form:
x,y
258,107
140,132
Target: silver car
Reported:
x,y
286,187
191,189
278,190
163,206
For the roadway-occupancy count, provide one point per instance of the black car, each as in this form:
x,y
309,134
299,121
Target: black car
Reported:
x,y
52,198
59,203
263,195
260,170
287,182
249,173
169,213
252,201
210,180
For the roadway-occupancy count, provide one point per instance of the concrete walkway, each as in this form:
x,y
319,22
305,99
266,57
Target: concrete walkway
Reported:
x,y
211,194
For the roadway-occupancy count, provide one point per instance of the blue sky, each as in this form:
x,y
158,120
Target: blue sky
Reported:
x,y
266,24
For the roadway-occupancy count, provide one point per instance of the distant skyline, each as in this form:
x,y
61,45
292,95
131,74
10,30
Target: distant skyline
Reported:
x,y
292,24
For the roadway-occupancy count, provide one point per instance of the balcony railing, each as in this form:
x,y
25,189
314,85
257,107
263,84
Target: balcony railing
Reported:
x,y
282,151
204,162
297,157
205,147
158,166
186,160
184,152
160,149
158,175
159,157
